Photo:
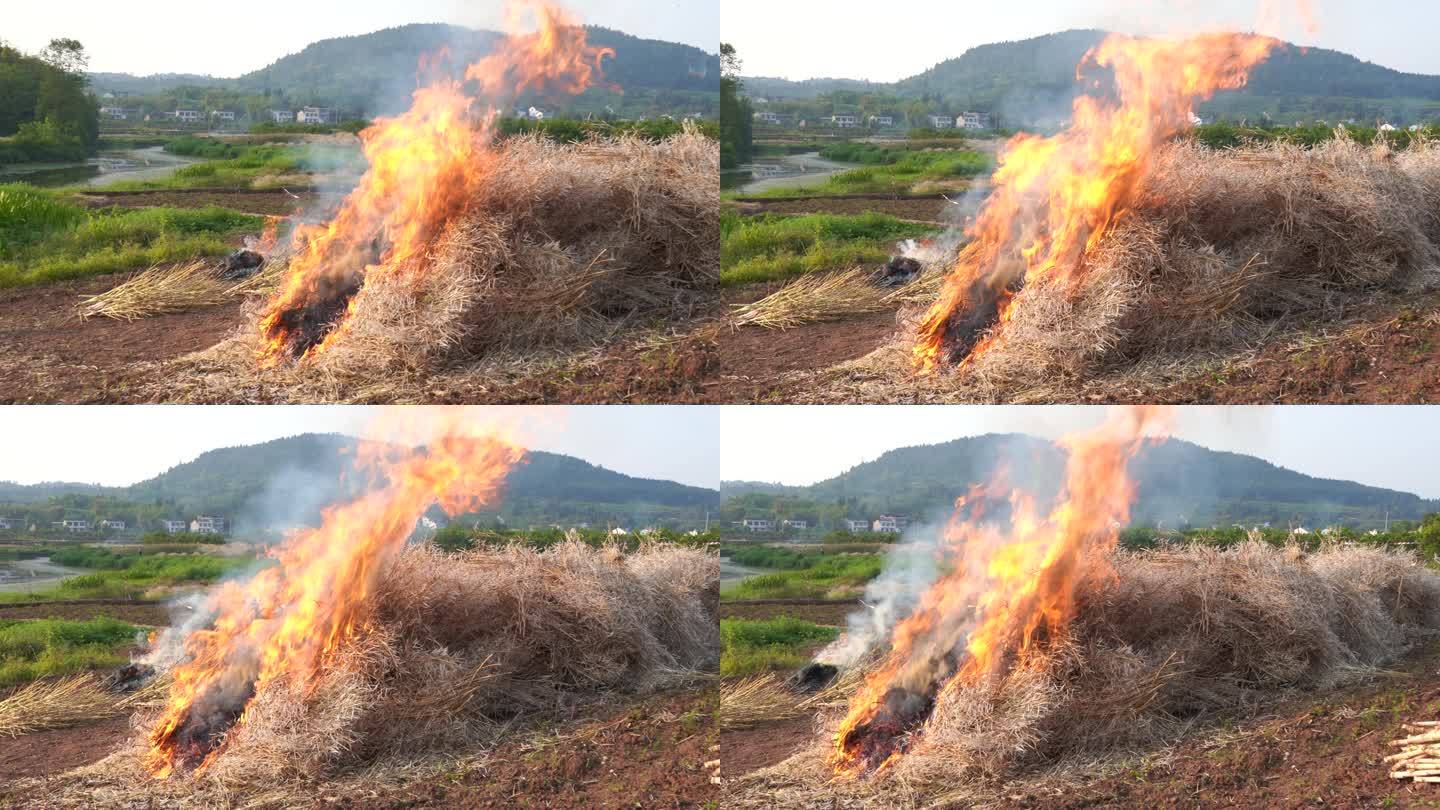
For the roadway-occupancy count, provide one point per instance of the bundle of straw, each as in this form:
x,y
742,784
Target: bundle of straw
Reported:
x,y
813,298
159,290
1419,757
56,704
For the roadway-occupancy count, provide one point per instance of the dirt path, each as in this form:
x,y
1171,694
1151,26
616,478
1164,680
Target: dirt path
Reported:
x,y
265,203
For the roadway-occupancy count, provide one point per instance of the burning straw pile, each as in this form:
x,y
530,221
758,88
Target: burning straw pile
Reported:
x,y
562,246
1221,250
1172,640
459,648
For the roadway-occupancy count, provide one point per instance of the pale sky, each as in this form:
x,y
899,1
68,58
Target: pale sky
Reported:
x,y
231,39
804,39
1385,446
124,444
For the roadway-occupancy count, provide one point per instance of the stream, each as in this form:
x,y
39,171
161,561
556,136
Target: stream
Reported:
x,y
113,166
25,575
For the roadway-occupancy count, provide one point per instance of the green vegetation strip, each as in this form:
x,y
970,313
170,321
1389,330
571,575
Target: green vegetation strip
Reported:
x,y
127,575
44,238
42,648
751,646
826,576
772,248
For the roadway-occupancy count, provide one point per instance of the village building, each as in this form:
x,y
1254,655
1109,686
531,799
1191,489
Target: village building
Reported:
x,y
282,116
174,526
882,120
188,116
795,524
759,524
857,526
208,524
11,524
976,120
316,115
893,524
941,122
845,121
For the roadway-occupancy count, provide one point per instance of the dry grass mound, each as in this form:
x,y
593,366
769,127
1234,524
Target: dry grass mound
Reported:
x,y
565,246
460,649
1178,639
1225,248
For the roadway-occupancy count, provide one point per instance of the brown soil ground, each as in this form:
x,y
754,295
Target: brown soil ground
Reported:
x,y
754,362
832,613
51,355
1389,358
265,203
1315,750
928,209
50,752
754,748
153,615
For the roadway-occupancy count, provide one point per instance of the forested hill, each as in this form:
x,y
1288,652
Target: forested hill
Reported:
x,y
376,72
289,480
1178,482
1035,78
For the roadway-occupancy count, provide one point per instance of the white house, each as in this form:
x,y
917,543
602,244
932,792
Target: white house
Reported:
x,y
10,524
76,525
223,115
282,116
976,120
188,116
768,118
894,524
795,524
882,120
845,121
316,115
115,113
208,524
174,526
759,525
941,122
857,526
116,525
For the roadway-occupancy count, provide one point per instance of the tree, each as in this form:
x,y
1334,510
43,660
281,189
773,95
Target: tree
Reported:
x,y
736,114
66,56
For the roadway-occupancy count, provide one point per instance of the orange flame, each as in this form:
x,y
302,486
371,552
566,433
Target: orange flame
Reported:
x,y
424,168
1007,591
289,617
1055,197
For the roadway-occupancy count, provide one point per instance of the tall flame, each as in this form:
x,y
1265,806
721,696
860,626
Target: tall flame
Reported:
x,y
1056,197
287,618
1008,591
424,168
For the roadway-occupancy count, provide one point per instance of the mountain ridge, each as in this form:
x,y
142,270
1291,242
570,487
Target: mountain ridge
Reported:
x,y
1177,481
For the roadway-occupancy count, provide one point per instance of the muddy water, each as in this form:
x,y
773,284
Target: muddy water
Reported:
x,y
26,575
804,170
730,572
150,163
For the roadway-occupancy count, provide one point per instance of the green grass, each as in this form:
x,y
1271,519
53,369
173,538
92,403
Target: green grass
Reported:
x,y
45,647
829,576
45,239
769,247
751,646
889,170
268,166
127,575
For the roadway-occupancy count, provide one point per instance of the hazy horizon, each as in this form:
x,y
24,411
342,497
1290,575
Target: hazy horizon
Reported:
x,y
1392,33
125,444
269,30
797,445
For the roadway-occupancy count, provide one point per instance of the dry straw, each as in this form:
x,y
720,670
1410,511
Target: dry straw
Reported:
x,y
459,649
160,290
563,247
1174,640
